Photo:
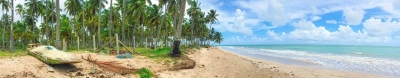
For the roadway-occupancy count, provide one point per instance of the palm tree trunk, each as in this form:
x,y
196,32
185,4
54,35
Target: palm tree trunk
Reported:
x,y
175,48
98,27
133,39
160,25
209,41
111,23
2,35
123,21
58,42
11,29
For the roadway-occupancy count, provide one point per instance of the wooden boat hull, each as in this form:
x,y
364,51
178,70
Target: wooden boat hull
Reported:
x,y
52,61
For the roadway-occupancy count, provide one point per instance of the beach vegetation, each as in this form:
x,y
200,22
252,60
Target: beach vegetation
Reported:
x,y
145,73
154,30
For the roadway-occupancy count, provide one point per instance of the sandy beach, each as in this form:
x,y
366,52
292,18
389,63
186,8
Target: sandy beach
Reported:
x,y
210,63
214,62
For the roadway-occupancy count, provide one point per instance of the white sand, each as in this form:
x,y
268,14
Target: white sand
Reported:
x,y
220,63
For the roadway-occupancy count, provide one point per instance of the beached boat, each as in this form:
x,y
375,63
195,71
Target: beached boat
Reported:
x,y
50,55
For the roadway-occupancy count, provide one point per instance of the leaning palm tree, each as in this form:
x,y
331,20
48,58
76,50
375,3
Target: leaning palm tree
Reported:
x,y
5,4
177,41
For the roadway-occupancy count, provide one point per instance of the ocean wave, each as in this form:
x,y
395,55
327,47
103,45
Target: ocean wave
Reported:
x,y
357,63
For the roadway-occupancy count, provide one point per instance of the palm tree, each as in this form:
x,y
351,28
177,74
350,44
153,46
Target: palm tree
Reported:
x,y
50,15
98,5
73,7
11,29
58,42
5,4
111,22
194,11
218,37
35,8
212,18
166,4
175,48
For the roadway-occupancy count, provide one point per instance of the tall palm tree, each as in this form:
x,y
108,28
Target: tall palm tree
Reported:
x,y
194,11
97,5
73,7
11,29
212,18
35,9
166,4
58,42
111,21
5,4
175,48
50,15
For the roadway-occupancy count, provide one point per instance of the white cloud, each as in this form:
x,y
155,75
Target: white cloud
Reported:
x,y
331,21
315,18
280,12
238,26
378,27
353,16
275,36
272,11
308,32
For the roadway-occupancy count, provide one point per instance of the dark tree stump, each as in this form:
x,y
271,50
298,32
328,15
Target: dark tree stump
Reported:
x,y
175,50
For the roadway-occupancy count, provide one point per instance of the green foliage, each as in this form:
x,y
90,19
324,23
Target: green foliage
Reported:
x,y
16,53
145,73
159,53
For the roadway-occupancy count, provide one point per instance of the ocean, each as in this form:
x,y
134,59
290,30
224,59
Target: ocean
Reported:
x,y
380,60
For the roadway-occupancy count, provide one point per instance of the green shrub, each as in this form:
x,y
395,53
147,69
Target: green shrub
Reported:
x,y
145,73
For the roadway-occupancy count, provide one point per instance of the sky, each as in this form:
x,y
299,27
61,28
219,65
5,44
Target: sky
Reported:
x,y
331,22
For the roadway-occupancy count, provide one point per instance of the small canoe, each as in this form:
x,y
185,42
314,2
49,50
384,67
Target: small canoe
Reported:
x,y
52,61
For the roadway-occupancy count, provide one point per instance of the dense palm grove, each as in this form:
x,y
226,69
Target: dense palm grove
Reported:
x,y
139,23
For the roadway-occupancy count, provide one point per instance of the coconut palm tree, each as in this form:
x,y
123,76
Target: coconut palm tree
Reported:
x,y
5,4
175,52
194,11
212,18
11,28
97,5
58,42
35,9
111,21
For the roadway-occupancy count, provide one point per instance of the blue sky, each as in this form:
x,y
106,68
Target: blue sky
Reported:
x,y
334,22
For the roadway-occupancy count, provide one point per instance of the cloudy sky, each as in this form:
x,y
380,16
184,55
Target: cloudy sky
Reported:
x,y
336,22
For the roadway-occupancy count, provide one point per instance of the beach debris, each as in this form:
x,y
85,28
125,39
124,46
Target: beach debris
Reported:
x,y
109,65
184,63
201,66
125,55
79,74
49,68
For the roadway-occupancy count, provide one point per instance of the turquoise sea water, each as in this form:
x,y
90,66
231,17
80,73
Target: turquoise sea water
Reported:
x,y
381,60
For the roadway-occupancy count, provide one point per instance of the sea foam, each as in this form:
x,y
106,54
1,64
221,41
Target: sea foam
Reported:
x,y
357,63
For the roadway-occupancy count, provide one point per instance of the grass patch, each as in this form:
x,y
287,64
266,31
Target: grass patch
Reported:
x,y
18,52
145,73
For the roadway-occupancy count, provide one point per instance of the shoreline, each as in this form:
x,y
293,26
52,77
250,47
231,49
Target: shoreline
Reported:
x,y
217,62
306,71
